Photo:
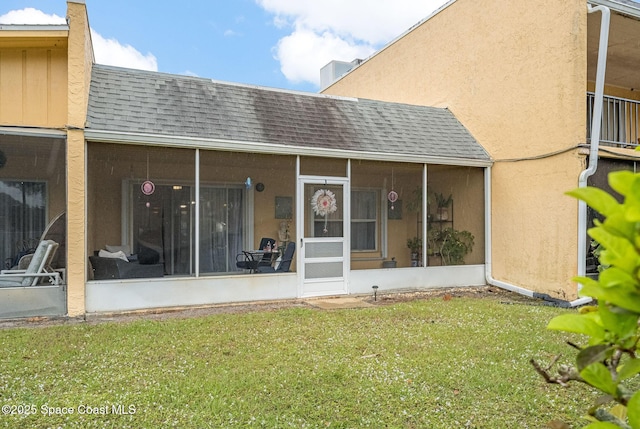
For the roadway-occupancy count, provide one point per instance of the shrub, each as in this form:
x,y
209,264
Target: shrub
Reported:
x,y
608,361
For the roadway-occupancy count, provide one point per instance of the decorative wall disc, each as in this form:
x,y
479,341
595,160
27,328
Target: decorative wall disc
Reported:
x,y
148,187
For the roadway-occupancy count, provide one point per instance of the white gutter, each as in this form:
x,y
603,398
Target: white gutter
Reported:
x,y
593,164
595,134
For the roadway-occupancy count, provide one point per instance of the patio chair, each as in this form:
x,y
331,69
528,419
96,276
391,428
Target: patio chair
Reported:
x,y
55,231
285,263
39,268
266,243
246,261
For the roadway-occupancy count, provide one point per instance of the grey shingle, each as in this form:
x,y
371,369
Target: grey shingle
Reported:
x,y
136,101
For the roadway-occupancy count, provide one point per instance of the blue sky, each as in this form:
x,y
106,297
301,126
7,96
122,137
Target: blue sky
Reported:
x,y
276,43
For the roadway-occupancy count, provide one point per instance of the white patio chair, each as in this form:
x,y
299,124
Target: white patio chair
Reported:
x,y
39,268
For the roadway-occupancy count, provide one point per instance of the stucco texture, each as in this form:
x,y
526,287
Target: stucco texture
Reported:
x,y
80,58
516,78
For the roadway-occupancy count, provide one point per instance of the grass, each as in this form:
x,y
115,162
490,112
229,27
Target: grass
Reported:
x,y
459,363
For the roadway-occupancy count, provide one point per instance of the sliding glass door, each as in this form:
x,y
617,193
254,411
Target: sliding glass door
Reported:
x,y
164,227
221,228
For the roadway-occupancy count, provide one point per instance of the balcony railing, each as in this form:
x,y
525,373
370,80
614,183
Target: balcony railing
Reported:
x,y
620,121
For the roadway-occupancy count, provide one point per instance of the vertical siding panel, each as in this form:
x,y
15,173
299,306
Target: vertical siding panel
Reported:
x,y
36,88
11,87
58,84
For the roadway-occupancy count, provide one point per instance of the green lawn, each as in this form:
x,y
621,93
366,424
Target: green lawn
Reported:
x,y
459,363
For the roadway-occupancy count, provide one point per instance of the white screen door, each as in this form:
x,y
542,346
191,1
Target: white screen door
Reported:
x,y
324,250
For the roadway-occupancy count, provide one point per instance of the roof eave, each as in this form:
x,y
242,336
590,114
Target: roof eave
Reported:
x,y
105,136
35,27
619,7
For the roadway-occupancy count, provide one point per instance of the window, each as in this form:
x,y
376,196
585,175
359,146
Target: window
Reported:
x,y
364,219
22,216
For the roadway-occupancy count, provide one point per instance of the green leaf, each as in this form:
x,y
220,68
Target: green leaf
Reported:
x,y
632,199
616,296
621,181
586,281
597,199
619,411
622,323
614,276
593,354
578,323
617,224
633,411
619,251
599,377
629,369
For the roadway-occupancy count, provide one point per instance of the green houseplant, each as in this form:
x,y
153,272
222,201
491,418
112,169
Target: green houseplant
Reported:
x,y
451,244
415,245
443,203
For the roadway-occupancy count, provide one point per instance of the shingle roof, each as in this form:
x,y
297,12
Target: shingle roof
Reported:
x,y
140,102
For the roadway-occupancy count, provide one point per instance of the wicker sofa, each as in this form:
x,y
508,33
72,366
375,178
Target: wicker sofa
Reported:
x,y
144,265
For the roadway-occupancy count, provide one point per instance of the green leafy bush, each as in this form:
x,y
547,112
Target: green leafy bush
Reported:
x,y
608,361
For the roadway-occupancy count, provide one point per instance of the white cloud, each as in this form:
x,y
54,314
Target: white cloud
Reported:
x,y
325,30
303,53
107,51
113,53
230,33
31,16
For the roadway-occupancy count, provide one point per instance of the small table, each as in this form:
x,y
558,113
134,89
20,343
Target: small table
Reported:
x,y
255,258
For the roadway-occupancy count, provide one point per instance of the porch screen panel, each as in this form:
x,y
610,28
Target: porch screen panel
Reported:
x,y
364,214
162,225
221,228
22,217
323,270
320,259
323,250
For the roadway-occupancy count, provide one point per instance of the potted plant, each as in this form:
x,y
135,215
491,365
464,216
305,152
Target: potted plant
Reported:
x,y
433,238
390,264
443,204
415,245
453,245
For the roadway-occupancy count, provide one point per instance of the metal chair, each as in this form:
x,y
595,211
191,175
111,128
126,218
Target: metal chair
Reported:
x,y
285,263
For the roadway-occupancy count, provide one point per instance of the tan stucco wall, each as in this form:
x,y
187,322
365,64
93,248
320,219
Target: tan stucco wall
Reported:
x,y
80,60
515,76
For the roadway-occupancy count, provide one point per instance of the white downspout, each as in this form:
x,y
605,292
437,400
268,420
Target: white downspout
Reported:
x,y
584,175
488,256
596,122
